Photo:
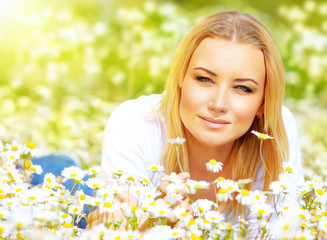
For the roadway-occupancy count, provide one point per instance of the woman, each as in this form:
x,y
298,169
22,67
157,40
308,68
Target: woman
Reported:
x,y
226,79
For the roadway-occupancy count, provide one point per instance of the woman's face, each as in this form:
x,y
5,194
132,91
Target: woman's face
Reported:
x,y
222,91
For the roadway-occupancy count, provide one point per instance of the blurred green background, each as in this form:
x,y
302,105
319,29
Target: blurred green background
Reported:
x,y
66,64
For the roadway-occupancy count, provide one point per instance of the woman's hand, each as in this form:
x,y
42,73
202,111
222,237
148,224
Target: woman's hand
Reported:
x,y
184,176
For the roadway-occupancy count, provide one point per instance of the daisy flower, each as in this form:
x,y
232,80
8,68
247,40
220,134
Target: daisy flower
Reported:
x,y
156,168
258,196
14,146
172,178
261,210
50,180
30,148
160,209
223,195
94,171
219,181
193,186
176,141
214,216
288,167
177,233
230,185
74,173
95,183
203,223
202,206
214,166
107,206
261,136
244,197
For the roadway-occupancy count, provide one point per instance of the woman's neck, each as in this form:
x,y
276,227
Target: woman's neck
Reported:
x,y
199,154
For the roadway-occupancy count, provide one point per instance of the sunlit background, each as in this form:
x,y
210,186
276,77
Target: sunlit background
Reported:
x,y
66,64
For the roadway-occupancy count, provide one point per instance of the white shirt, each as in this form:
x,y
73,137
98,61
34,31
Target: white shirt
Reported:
x,y
134,139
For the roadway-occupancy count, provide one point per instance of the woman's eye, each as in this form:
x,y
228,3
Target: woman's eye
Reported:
x,y
203,79
244,88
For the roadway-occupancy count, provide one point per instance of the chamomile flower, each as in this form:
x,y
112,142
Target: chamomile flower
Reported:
x,y
94,171
284,228
244,197
202,206
172,178
14,146
156,168
203,223
75,209
30,148
258,196
177,233
230,185
50,180
74,173
160,209
288,167
320,192
261,136
107,206
219,181
64,217
193,186
176,141
223,195
214,216
261,210
95,183
322,225
214,166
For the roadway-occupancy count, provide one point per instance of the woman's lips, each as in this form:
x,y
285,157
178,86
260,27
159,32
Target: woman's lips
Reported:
x,y
214,123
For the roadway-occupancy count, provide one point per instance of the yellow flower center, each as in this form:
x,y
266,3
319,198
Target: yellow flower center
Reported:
x,y
212,162
30,145
130,178
73,175
154,168
14,148
261,211
289,169
134,208
184,214
27,164
223,191
245,193
107,205
320,192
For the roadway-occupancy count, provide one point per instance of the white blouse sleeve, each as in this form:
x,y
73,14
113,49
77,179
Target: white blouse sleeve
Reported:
x,y
131,141
295,158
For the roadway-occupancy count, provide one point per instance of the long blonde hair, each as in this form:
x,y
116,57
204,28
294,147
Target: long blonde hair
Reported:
x,y
245,156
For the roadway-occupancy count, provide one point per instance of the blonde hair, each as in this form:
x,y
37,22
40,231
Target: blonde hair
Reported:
x,y
245,156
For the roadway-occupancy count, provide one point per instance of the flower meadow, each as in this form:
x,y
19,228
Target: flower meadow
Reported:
x,y
290,210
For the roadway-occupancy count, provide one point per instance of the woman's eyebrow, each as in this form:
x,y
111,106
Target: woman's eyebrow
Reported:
x,y
206,70
246,80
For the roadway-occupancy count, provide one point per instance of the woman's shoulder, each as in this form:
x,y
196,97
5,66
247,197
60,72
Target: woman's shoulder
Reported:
x,y
141,105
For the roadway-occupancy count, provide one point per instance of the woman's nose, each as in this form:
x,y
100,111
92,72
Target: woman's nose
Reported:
x,y
218,101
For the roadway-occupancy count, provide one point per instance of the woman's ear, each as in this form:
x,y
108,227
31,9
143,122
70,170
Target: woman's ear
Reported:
x,y
261,110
